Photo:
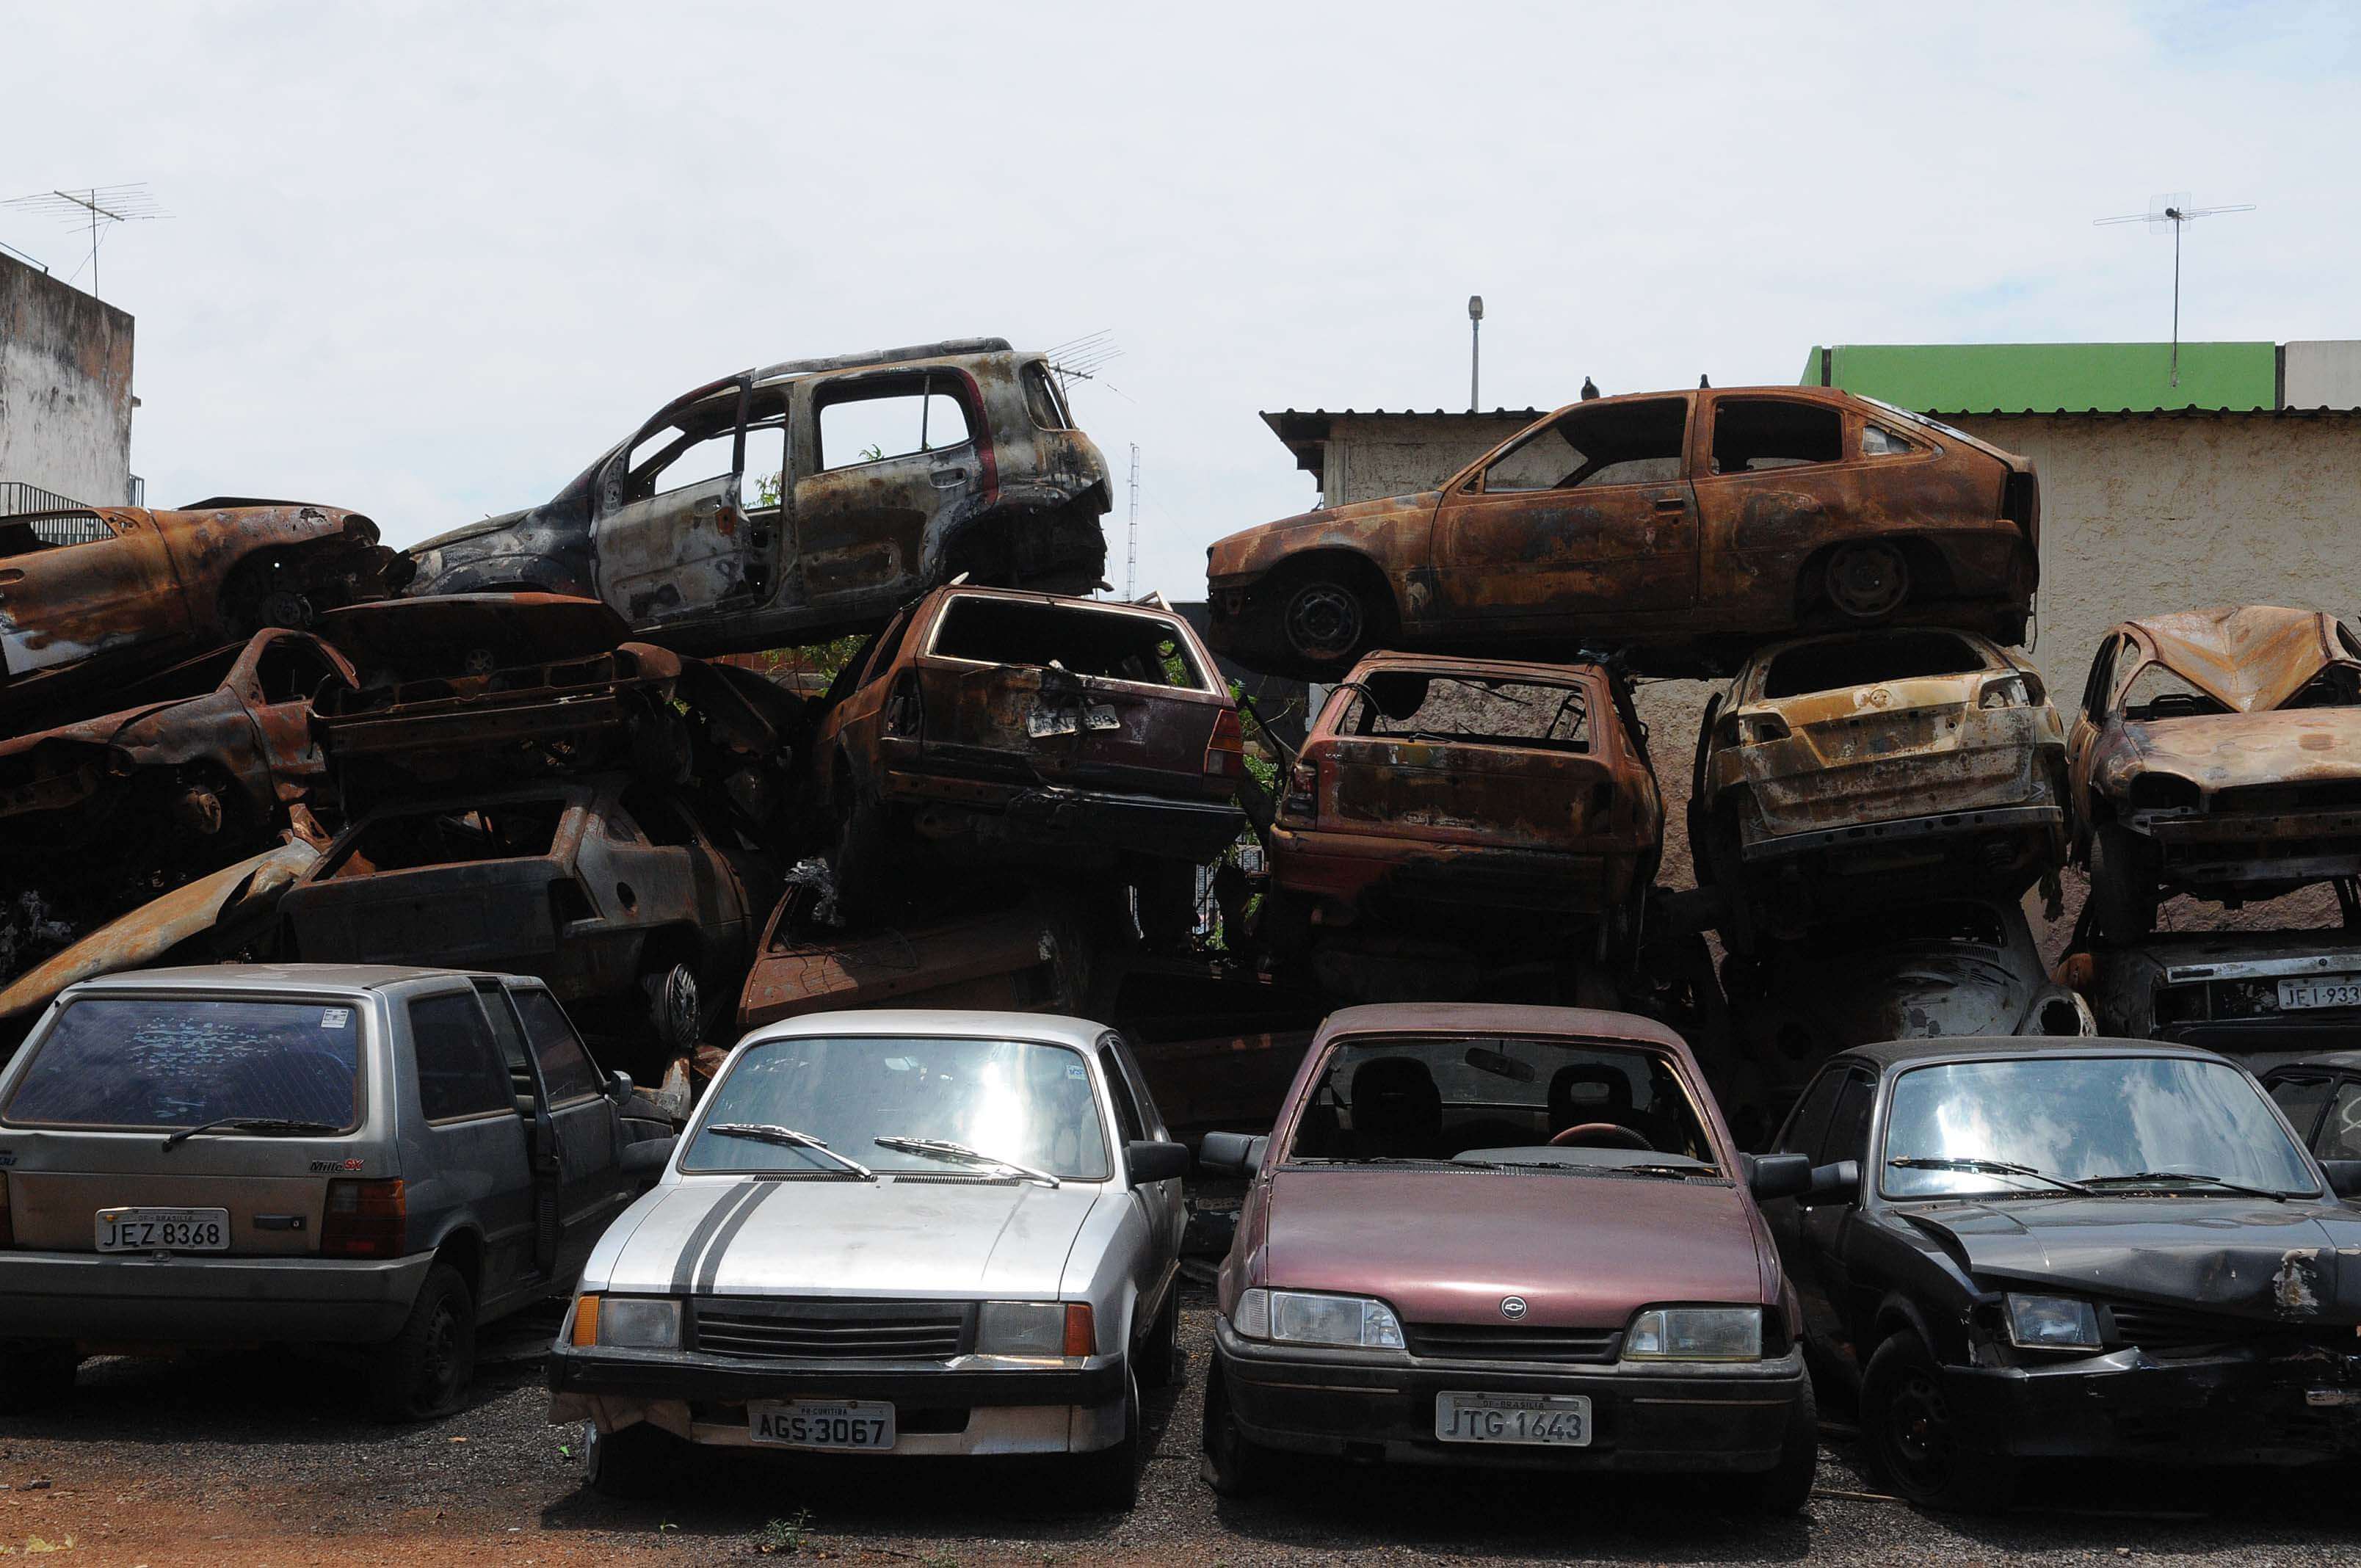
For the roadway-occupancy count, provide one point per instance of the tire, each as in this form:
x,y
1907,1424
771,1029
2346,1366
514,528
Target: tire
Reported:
x,y
1158,1357
2122,891
422,1371
1327,620
1235,1464
1866,581
36,1377
1912,1439
634,1464
1110,1478
678,1013
1786,1487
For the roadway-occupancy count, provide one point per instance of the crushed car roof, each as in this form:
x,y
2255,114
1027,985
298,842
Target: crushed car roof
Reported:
x,y
2252,657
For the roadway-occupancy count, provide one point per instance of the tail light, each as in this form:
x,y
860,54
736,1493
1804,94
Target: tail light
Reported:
x,y
905,709
1302,796
365,1218
1754,728
8,1226
2006,691
1225,753
1081,1332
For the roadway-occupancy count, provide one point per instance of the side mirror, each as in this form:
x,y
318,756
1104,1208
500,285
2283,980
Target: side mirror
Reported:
x,y
1231,1154
647,1157
1838,1183
1770,1176
2343,1177
619,1088
1151,1159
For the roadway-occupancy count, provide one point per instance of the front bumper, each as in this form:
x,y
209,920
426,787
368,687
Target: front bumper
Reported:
x,y
946,1411
2232,846
1060,817
94,1298
1697,1417
2242,1408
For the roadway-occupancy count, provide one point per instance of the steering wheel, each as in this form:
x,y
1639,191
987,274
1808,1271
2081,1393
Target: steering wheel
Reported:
x,y
1600,1135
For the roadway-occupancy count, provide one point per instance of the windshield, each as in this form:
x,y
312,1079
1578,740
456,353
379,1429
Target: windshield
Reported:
x,y
1019,1101
1396,1098
2081,1117
136,1063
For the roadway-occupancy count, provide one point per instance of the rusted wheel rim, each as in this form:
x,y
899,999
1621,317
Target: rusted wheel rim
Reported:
x,y
1323,620
1867,581
683,1010
1918,1433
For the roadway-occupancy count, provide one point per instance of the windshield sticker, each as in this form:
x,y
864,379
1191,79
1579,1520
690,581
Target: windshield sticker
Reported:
x,y
1076,1070
335,1017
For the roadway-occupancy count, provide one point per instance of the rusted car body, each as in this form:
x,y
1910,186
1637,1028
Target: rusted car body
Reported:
x,y
2217,752
2257,997
1878,759
607,887
104,588
1002,726
807,500
1675,525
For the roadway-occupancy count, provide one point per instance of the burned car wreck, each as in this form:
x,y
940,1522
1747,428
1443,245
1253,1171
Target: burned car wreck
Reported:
x,y
2258,997
810,498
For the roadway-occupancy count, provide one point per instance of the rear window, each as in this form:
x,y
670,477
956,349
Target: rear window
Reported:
x,y
520,829
1462,708
137,1063
1833,666
1111,644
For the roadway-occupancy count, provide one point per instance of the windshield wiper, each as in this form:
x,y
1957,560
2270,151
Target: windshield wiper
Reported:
x,y
1683,1172
2191,1175
1984,1168
943,1148
772,1133
274,1125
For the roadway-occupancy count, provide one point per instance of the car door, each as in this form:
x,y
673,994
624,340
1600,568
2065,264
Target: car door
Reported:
x,y
672,540
1589,513
2302,1095
2090,718
880,456
1806,1130
1155,1266
1774,481
478,1148
591,1186
77,583
282,672
1829,1227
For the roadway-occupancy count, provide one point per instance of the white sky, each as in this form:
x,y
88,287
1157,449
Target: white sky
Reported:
x,y
429,260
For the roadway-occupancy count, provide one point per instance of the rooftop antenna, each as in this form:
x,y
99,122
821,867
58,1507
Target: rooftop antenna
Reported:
x,y
2172,211
1475,344
1131,565
93,206
1083,359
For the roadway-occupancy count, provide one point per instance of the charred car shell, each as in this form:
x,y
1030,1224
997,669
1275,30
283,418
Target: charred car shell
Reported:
x,y
790,540
1675,526
2260,998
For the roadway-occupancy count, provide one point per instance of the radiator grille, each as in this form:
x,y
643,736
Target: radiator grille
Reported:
x,y
833,1331
1513,1342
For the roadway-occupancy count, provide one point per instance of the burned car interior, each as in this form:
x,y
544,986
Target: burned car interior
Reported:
x,y
1067,637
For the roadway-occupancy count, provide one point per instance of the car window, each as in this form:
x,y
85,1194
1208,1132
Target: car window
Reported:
x,y
887,650
137,1063
506,1029
2340,1135
1753,435
2095,690
1861,661
1848,1135
460,1072
1876,441
51,530
1041,400
2157,693
1807,1124
1113,642
2300,1099
1126,1110
1615,443
292,669
566,1071
1527,714
895,416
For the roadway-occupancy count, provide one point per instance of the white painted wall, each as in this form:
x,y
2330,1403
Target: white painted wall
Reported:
x,y
65,389
2321,375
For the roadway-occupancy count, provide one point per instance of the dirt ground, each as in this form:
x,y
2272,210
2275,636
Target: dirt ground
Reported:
x,y
266,1460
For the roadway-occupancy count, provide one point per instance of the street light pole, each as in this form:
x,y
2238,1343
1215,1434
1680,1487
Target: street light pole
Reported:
x,y
1474,346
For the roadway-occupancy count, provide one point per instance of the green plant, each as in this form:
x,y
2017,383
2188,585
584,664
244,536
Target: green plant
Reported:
x,y
784,1537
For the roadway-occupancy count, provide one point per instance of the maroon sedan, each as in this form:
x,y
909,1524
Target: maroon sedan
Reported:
x,y
1514,1237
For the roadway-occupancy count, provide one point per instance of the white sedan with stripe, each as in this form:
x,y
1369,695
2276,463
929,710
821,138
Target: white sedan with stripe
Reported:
x,y
891,1232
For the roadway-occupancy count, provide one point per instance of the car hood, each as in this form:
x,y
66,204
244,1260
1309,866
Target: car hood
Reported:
x,y
832,1237
1368,527
1445,1246
505,520
2222,750
2245,1256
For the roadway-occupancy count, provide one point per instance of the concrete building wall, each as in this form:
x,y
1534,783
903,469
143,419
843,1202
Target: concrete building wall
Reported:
x,y
65,389
1371,456
2321,375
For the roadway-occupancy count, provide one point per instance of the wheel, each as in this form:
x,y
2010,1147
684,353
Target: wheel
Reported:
x,y
1109,1476
677,1008
1867,581
2122,884
1914,1441
1235,1464
633,1463
1786,1487
422,1370
1159,1353
1325,620
36,1377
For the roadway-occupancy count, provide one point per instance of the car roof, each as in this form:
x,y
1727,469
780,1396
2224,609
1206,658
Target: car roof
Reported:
x,y
954,1023
1495,1018
2251,656
2007,1048
281,976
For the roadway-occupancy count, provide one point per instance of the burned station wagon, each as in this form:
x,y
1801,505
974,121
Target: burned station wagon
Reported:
x,y
805,499
1678,525
1487,814
2217,753
1877,760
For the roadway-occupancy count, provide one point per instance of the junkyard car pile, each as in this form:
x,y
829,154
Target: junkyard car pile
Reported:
x,y
311,887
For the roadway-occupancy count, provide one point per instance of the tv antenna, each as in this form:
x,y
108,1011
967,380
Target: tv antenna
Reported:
x,y
2172,211
1081,359
1131,562
93,206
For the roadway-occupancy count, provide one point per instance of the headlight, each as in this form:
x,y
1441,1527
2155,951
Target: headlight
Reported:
x,y
1297,1316
2052,1323
1038,1329
633,1322
1696,1333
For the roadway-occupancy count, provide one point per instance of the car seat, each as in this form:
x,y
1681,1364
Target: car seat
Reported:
x,y
1396,1110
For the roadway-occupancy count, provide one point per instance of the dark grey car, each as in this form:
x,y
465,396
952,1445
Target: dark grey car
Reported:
x,y
375,1158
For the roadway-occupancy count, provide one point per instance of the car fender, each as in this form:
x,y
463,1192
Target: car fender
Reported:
x,y
1102,1266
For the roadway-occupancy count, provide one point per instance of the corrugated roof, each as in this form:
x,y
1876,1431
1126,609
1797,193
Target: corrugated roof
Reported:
x,y
2053,378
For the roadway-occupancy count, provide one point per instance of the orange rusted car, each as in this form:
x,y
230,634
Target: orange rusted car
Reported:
x,y
113,587
2217,752
1449,816
1680,527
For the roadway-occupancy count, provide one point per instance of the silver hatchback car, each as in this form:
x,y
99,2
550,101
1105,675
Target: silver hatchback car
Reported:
x,y
891,1233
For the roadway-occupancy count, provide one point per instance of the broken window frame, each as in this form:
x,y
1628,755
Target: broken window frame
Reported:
x,y
1198,663
1584,477
1865,645
882,386
29,522
620,487
1796,407
1582,740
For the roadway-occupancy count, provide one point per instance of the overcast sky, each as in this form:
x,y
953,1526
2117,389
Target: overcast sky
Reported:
x,y
427,261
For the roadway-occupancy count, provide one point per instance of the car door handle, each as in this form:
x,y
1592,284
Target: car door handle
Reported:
x,y
1672,503
12,575
944,478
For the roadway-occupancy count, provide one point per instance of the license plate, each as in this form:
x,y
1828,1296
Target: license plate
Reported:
x,y
1544,1420
2328,990
821,1423
1043,722
163,1230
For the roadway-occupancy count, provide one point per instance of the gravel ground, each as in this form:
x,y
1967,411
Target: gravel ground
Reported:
x,y
262,1460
